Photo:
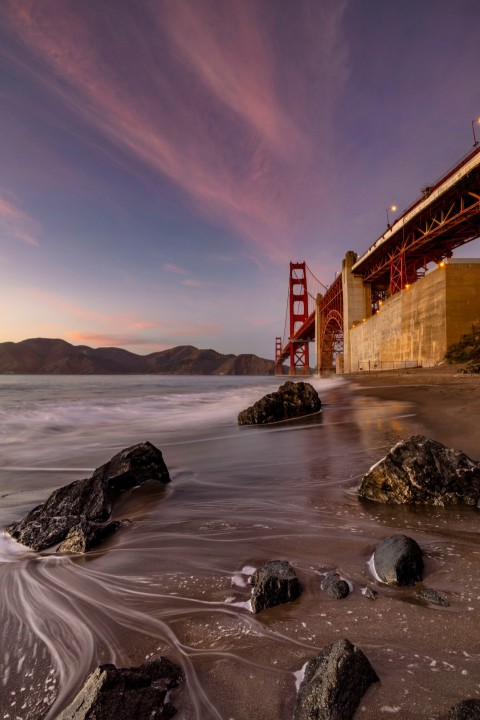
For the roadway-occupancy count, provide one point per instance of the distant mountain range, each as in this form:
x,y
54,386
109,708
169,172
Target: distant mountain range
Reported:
x,y
57,357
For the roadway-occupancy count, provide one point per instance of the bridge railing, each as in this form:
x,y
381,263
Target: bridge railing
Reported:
x,y
379,365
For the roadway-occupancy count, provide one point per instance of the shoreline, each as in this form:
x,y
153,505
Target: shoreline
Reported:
x,y
446,400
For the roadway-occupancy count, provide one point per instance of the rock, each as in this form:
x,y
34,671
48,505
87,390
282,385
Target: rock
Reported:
x,y
398,560
273,584
291,400
85,536
421,470
333,585
334,683
432,596
91,500
369,592
134,693
465,710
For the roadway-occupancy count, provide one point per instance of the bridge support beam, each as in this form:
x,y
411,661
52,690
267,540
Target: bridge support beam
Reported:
x,y
357,304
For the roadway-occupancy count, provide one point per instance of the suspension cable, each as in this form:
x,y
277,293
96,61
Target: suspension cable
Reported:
x,y
286,318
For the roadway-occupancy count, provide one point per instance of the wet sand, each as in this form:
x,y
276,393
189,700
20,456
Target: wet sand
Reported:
x,y
174,581
446,400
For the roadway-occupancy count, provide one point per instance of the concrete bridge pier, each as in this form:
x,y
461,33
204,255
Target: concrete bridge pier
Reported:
x,y
357,304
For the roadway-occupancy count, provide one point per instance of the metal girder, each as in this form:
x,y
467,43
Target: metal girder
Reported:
x,y
331,339
330,308
430,239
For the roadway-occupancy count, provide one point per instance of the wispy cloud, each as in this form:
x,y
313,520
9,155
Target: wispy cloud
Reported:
x,y
115,328
112,340
15,223
195,283
260,321
209,101
168,335
65,306
176,269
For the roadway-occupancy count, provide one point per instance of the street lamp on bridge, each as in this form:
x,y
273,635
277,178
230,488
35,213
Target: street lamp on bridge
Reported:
x,y
393,209
475,122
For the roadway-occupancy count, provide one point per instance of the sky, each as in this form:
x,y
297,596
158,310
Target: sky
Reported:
x,y
162,161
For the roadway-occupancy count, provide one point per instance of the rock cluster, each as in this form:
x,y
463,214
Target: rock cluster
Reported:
x,y
334,683
421,470
291,400
132,693
418,470
79,510
273,584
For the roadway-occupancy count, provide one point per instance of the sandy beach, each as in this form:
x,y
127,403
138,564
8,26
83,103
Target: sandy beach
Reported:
x,y
174,580
446,400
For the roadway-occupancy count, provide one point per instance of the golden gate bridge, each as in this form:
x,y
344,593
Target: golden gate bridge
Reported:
x,y
444,217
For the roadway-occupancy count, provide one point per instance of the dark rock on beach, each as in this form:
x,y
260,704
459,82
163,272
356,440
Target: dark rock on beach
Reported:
x,y
89,503
421,470
398,560
465,710
273,584
334,683
334,586
86,535
134,693
432,596
291,400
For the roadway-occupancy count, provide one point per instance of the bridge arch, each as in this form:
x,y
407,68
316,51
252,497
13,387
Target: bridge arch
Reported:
x,y
331,340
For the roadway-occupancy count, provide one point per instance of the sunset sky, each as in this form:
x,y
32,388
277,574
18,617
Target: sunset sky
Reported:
x,y
162,161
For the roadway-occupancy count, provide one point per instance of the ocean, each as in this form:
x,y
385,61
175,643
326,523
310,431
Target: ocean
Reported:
x,y
174,581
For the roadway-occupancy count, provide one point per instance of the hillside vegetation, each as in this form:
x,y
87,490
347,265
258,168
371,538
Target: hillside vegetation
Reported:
x,y
466,350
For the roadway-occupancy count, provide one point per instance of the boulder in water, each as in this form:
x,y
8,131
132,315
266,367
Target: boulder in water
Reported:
x,y
398,560
334,683
421,470
273,584
334,586
128,693
84,502
291,400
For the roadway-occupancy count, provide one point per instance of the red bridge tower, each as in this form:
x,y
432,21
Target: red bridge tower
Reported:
x,y
298,310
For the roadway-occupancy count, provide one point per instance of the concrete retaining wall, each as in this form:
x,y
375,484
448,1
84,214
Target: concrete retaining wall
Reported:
x,y
417,325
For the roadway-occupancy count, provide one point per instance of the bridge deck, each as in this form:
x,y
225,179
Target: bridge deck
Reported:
x,y
445,217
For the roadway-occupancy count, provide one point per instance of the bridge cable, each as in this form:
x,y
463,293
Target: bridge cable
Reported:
x,y
286,318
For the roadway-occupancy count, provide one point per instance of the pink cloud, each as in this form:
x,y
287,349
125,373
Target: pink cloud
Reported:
x,y
66,306
194,283
112,340
172,268
168,336
113,327
221,121
15,223
260,321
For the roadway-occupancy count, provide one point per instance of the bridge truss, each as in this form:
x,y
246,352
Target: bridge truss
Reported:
x,y
444,218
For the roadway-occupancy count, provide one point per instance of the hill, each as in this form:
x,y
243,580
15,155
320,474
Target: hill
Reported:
x,y
44,356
